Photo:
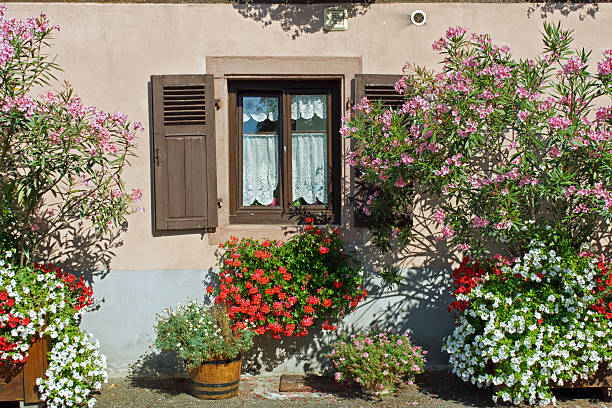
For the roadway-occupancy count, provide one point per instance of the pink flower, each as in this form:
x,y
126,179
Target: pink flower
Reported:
x,y
573,66
439,44
554,152
523,114
463,247
400,182
480,222
136,194
558,122
447,231
439,217
455,32
337,376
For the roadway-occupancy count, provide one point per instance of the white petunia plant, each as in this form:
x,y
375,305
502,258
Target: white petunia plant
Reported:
x,y
41,300
527,325
76,369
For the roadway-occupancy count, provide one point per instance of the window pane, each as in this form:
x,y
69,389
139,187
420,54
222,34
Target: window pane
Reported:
x,y
309,149
260,139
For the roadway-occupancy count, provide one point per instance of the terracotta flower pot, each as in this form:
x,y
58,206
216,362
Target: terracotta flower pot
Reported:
x,y
217,379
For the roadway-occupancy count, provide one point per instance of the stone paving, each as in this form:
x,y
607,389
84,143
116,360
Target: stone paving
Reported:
x,y
434,389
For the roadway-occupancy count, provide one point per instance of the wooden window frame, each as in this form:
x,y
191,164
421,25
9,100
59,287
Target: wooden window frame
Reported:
x,y
285,213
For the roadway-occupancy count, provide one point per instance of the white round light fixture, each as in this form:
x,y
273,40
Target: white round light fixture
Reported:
x,y
418,17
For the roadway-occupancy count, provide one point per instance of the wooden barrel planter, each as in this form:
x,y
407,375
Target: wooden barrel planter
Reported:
x,y
18,381
217,379
602,379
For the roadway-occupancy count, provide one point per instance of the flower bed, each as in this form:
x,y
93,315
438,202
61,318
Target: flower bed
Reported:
x,y
284,287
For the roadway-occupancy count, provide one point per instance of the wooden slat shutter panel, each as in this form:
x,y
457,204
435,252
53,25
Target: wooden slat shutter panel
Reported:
x,y
184,167
376,87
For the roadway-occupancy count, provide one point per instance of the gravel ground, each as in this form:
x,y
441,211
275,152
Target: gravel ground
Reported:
x,y
434,389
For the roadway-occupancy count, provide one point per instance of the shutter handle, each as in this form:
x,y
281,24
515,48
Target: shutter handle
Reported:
x,y
157,156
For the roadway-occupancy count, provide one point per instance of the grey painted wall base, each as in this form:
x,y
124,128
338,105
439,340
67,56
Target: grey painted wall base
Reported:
x,y
131,299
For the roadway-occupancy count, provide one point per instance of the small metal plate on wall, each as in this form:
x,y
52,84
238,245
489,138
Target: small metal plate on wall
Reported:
x,y
335,19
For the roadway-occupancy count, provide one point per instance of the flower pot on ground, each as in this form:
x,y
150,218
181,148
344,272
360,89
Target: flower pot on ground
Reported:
x,y
44,356
204,338
601,379
217,379
540,321
376,360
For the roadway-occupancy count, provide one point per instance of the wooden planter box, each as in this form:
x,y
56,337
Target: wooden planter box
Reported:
x,y
602,379
18,382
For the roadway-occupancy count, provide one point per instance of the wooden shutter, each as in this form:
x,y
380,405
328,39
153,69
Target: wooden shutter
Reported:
x,y
184,166
377,87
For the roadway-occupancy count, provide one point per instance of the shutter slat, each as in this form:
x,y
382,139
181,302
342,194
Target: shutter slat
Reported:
x,y
185,191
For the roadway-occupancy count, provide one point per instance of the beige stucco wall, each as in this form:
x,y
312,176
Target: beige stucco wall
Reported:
x,y
109,51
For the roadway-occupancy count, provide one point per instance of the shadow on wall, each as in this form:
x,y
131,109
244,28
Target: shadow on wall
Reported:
x,y
77,249
296,18
550,9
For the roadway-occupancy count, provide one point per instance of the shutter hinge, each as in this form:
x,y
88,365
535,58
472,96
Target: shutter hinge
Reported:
x,y
219,201
349,104
218,104
210,230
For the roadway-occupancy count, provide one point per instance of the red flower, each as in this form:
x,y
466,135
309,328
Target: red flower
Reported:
x,y
260,330
265,244
323,250
209,289
287,277
309,220
307,321
540,321
312,300
327,302
308,309
337,285
236,262
282,270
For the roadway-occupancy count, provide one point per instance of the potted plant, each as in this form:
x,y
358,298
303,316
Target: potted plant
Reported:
x,y
376,360
286,288
204,338
43,353
533,323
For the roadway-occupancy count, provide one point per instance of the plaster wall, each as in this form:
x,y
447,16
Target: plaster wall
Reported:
x,y
109,51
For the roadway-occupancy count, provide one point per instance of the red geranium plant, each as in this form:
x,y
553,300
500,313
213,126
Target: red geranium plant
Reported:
x,y
285,287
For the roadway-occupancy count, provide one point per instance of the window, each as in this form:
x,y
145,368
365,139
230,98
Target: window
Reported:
x,y
284,151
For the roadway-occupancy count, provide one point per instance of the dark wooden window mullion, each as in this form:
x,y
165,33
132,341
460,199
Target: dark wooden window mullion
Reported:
x,y
286,152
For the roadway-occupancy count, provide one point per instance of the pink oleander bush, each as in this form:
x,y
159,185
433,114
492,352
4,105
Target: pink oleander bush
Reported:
x,y
491,146
376,360
60,159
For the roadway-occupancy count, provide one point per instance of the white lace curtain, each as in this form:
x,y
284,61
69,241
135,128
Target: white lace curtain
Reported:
x,y
260,168
302,106
260,152
309,167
